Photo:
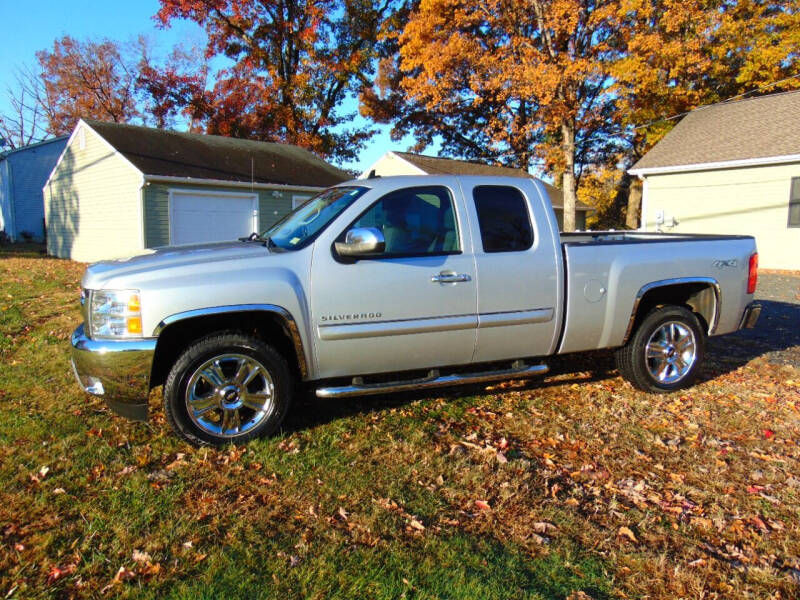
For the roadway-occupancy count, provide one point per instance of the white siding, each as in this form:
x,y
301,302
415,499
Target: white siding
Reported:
x,y
750,201
93,203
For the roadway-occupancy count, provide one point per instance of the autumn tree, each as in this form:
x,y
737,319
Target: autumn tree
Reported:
x,y
294,66
86,79
520,82
173,88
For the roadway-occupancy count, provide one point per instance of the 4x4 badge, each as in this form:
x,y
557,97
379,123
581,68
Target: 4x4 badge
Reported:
x,y
721,264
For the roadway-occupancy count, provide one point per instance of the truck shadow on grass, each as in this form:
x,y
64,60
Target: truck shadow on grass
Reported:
x,y
776,336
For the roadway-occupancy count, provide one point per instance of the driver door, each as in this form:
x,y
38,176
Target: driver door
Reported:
x,y
397,311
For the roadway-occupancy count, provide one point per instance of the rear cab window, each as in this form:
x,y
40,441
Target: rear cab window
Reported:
x,y
503,218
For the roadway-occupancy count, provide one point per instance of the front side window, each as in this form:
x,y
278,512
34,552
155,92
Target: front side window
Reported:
x,y
794,203
503,218
414,221
300,227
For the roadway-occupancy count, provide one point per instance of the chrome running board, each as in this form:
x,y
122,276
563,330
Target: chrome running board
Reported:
x,y
433,380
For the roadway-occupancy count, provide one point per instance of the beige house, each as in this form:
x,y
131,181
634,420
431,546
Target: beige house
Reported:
x,y
406,163
117,190
731,168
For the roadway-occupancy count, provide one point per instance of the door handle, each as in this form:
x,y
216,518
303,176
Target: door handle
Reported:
x,y
450,277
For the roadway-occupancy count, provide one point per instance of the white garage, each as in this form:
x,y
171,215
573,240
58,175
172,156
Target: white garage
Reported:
x,y
197,217
119,189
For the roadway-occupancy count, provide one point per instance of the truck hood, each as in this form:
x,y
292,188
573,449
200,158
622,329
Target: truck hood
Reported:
x,y
167,257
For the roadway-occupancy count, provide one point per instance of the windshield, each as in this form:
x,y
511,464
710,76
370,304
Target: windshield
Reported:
x,y
301,226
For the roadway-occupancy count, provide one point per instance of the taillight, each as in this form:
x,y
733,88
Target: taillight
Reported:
x,y
752,276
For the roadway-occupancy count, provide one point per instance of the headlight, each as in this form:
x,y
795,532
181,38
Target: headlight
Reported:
x,y
115,314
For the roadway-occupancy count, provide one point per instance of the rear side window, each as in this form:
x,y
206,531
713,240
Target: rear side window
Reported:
x,y
503,218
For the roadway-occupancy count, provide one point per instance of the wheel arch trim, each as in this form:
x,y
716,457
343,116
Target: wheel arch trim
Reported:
x,y
283,315
708,281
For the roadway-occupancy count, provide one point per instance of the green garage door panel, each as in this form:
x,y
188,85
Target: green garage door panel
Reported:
x,y
272,205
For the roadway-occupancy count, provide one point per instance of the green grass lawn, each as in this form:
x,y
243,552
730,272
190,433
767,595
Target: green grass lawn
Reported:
x,y
573,487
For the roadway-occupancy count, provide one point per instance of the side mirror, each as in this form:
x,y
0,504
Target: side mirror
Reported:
x,y
361,241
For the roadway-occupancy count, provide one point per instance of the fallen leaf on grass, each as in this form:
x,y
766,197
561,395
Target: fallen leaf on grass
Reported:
x,y
482,505
124,574
697,563
543,527
625,532
141,557
414,524
55,573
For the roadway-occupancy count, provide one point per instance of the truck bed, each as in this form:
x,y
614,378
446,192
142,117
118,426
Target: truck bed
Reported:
x,y
605,272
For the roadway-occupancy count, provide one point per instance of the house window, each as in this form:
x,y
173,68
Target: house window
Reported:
x,y
299,200
794,204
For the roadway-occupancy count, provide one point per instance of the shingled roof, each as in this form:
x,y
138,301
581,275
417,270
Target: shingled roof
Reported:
x,y
160,152
434,165
756,130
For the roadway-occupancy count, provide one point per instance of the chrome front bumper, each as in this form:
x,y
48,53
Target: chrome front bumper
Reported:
x,y
117,371
750,316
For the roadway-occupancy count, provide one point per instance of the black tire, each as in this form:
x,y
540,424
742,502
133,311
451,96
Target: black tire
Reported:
x,y
227,351
646,373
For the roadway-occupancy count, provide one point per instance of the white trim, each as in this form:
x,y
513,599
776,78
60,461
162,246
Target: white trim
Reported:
x,y
643,205
141,214
391,154
226,183
212,193
82,123
726,164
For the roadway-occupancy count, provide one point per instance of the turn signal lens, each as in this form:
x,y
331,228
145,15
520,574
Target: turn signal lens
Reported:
x,y
752,276
134,305
135,325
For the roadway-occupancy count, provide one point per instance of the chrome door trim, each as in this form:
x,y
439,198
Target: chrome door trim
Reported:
x,y
712,326
282,313
515,317
352,331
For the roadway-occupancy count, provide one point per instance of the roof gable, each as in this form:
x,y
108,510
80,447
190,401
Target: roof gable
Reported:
x,y
434,165
756,130
160,152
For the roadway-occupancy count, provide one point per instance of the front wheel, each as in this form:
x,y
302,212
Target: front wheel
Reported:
x,y
227,388
665,352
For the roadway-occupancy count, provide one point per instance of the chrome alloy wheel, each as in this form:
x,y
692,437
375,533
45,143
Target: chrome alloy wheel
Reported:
x,y
671,352
229,395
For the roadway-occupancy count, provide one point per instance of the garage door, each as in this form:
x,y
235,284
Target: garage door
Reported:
x,y
197,217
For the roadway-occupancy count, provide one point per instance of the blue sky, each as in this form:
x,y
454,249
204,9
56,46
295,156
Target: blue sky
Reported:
x,y
26,27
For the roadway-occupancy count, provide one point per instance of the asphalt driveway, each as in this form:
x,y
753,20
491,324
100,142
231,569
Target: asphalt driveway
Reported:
x,y
776,336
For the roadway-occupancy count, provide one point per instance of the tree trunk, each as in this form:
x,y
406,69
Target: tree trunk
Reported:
x,y
634,203
568,186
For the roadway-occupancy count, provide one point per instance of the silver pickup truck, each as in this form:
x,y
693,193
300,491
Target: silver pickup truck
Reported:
x,y
398,283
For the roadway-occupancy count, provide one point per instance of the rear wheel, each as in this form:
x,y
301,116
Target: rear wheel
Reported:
x,y
665,351
227,388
